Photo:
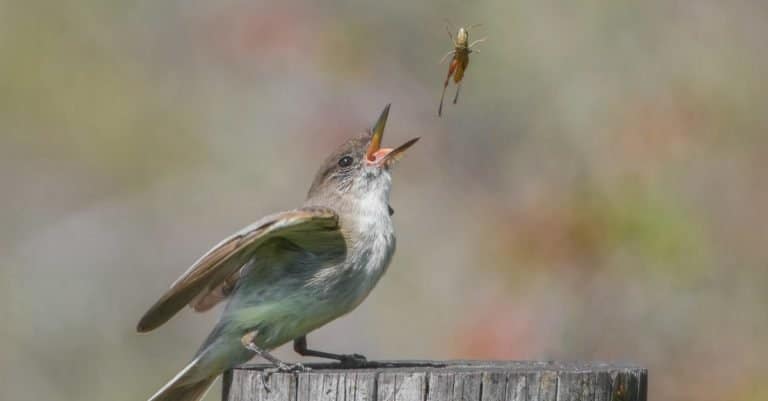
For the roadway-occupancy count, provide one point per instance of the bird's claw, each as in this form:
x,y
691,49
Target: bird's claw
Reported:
x,y
353,360
281,367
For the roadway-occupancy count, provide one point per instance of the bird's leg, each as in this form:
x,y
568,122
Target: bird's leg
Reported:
x,y
300,346
280,366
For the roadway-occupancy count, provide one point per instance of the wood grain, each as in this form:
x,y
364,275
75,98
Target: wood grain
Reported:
x,y
442,381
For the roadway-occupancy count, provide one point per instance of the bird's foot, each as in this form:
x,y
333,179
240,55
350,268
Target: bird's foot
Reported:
x,y
353,360
282,367
279,366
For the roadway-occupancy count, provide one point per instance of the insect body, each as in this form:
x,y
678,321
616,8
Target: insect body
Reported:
x,y
459,61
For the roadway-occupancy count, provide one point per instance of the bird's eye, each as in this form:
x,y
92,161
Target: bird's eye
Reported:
x,y
345,161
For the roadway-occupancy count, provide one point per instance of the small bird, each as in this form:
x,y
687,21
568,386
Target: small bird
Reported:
x,y
291,272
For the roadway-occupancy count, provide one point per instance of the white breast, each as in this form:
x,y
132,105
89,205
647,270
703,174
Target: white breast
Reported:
x,y
370,246
376,233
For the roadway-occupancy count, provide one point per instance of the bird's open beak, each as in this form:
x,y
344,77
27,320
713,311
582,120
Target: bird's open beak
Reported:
x,y
377,155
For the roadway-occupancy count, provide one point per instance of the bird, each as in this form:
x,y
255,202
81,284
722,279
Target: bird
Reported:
x,y
291,272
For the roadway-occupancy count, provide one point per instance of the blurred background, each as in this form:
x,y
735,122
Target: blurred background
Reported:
x,y
598,193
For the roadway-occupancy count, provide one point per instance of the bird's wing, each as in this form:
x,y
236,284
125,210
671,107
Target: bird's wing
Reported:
x,y
207,300
214,271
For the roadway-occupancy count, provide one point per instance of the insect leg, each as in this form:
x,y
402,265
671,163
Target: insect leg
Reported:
x,y
451,70
458,88
440,108
445,57
477,41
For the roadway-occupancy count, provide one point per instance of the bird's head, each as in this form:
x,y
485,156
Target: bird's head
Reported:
x,y
359,168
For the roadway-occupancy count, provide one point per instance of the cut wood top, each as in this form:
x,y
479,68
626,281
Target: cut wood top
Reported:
x,y
462,365
442,381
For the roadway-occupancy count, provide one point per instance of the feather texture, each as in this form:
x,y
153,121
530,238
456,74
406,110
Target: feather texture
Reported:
x,y
217,270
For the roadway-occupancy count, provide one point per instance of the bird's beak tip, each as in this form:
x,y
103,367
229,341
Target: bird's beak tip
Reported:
x,y
377,133
378,155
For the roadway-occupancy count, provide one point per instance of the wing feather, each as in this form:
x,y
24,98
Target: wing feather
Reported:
x,y
218,270
205,301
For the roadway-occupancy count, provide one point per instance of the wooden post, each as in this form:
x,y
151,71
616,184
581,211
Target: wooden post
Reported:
x,y
442,381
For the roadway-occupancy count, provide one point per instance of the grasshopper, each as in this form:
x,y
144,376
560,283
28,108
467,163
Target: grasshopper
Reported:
x,y
459,61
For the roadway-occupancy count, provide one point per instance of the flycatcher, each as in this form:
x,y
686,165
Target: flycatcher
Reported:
x,y
291,272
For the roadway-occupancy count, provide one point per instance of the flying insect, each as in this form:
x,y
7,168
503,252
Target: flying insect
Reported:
x,y
460,60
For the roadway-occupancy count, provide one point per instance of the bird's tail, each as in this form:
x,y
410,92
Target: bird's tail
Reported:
x,y
186,386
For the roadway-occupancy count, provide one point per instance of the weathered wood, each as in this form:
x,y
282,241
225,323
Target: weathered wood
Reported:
x,y
442,381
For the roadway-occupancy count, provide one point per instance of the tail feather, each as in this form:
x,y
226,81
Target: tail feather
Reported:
x,y
188,392
184,387
221,351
